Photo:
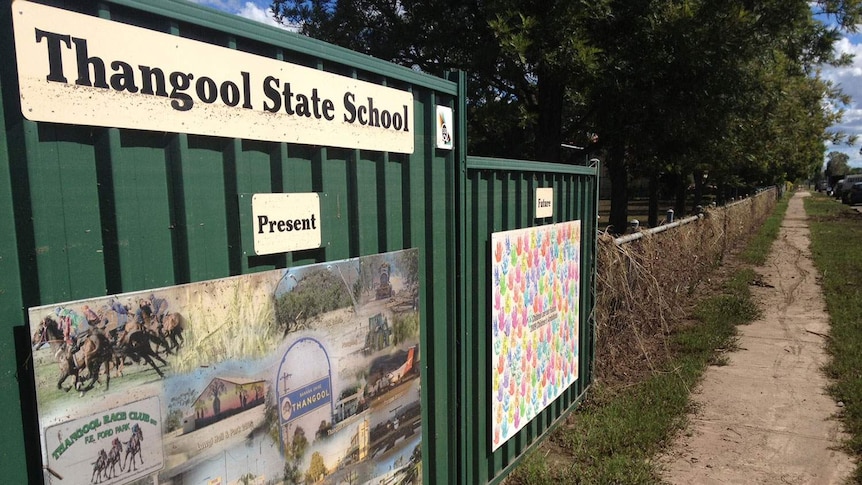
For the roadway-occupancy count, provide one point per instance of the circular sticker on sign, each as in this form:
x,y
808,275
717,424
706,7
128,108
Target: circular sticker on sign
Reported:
x,y
286,409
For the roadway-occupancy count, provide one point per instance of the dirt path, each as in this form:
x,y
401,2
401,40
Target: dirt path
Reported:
x,y
765,417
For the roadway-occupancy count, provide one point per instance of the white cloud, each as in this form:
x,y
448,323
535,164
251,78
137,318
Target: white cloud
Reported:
x,y
258,10
849,79
259,14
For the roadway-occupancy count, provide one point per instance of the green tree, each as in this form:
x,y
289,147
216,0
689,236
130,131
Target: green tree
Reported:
x,y
713,86
674,88
299,444
836,164
370,268
323,430
526,60
292,474
318,292
406,327
408,267
174,420
271,418
316,470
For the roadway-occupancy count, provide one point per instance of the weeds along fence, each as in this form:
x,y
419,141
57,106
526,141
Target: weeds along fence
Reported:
x,y
645,279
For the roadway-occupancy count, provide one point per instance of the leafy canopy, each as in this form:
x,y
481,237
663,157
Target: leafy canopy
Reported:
x,y
725,87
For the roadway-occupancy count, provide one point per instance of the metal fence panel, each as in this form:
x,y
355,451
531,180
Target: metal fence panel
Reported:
x,y
499,196
88,211
93,211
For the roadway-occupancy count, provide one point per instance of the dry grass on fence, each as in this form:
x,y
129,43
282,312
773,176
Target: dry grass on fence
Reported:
x,y
646,287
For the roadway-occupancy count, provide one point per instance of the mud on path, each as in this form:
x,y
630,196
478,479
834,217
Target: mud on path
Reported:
x,y
766,417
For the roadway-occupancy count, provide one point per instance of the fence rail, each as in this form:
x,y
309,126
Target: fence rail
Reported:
x,y
644,280
664,227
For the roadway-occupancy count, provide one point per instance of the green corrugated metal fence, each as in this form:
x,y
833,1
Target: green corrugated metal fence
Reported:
x,y
88,211
499,196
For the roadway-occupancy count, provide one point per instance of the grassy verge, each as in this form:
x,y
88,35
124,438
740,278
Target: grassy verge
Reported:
x,y
614,435
758,248
836,235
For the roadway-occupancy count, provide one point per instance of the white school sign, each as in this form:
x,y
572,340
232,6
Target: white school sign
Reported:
x,y
285,222
83,70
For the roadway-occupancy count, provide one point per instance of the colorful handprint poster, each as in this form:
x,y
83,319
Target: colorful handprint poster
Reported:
x,y
535,291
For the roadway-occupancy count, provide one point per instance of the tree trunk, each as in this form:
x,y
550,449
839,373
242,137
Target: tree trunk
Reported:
x,y
680,190
618,175
549,130
653,199
699,183
721,194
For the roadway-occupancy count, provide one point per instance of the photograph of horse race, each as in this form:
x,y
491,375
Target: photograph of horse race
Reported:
x,y
94,345
190,383
88,349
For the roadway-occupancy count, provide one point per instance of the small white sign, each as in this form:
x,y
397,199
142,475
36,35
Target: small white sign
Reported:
x,y
285,222
445,139
544,202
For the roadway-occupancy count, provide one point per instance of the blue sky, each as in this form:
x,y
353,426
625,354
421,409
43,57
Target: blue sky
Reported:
x,y
849,78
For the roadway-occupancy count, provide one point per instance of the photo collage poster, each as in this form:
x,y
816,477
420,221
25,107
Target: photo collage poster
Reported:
x,y
299,375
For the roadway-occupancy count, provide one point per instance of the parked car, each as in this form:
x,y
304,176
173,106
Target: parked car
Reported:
x,y
855,194
836,189
843,189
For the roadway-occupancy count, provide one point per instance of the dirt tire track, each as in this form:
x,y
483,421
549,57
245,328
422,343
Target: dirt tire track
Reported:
x,y
766,417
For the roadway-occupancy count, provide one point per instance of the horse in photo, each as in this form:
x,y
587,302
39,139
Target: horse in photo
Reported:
x,y
133,448
93,351
172,326
99,467
135,343
114,458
